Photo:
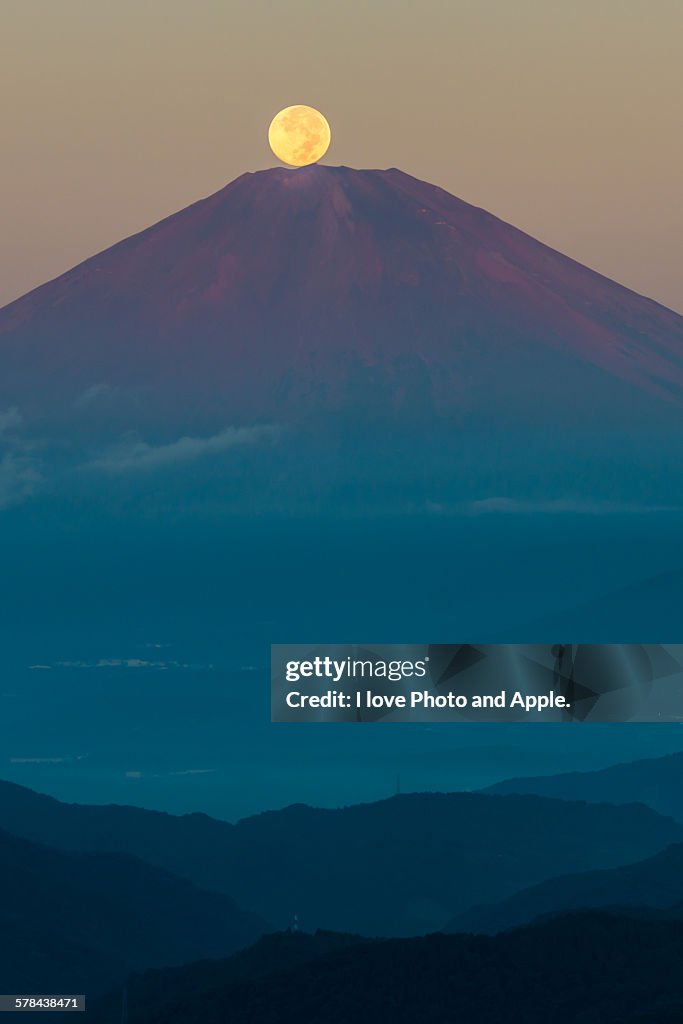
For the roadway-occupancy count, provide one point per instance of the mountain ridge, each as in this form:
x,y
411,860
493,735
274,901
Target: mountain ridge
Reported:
x,y
600,966
654,781
81,921
387,868
654,884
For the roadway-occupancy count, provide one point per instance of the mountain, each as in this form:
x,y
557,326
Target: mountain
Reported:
x,y
402,866
655,883
583,967
648,606
655,781
288,291
338,328
80,922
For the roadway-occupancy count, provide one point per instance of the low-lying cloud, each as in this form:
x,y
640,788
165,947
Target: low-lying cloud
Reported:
x,y
9,418
20,476
19,480
135,774
556,506
126,663
134,454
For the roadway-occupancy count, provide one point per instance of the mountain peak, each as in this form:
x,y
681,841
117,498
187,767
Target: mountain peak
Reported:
x,y
332,290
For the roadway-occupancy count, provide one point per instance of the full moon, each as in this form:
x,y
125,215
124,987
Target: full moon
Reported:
x,y
299,136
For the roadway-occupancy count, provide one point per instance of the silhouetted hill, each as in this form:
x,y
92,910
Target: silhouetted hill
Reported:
x,y
79,922
655,883
593,968
656,781
272,954
401,866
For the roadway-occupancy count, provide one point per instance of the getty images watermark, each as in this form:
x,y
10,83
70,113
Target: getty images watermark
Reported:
x,y
477,682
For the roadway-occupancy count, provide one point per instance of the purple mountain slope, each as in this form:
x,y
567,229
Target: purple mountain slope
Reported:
x,y
331,291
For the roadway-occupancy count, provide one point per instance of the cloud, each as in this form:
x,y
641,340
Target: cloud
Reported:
x,y
170,774
133,454
558,506
70,758
9,418
111,663
38,760
19,479
128,663
91,395
19,475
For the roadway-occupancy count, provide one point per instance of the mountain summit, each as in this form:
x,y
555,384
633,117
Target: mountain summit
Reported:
x,y
331,338
330,290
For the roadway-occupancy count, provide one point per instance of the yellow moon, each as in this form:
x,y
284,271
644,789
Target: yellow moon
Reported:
x,y
299,135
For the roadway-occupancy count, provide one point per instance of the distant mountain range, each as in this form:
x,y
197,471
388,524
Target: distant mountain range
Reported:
x,y
655,883
81,922
582,967
657,782
89,894
402,866
647,607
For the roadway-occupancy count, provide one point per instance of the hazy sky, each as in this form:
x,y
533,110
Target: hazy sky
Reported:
x,y
560,116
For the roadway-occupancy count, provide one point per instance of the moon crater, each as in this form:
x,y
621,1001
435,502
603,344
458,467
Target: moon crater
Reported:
x,y
299,135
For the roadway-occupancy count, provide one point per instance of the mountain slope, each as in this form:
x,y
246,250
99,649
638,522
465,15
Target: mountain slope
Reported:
x,y
655,883
337,340
81,921
655,781
335,290
401,866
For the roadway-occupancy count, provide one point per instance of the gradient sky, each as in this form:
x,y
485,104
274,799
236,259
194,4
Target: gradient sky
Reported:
x,y
563,118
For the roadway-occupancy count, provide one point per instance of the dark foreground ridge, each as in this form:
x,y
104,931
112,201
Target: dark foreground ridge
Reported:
x,y
582,967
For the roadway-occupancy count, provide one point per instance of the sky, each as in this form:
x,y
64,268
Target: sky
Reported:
x,y
561,118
